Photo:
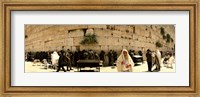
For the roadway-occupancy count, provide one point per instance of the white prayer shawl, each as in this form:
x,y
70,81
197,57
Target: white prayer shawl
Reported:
x,y
158,54
170,61
122,67
54,58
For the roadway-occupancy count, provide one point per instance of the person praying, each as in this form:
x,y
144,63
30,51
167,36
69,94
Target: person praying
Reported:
x,y
125,62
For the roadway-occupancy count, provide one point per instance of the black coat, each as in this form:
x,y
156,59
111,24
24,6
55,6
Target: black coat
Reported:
x,y
149,57
62,61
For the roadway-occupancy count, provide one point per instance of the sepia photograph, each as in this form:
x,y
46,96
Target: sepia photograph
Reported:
x,y
99,48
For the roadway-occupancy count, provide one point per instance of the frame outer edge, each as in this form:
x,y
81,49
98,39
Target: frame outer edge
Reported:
x,y
7,53
1,46
198,50
2,43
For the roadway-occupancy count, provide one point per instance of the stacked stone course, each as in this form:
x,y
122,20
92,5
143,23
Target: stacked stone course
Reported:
x,y
109,37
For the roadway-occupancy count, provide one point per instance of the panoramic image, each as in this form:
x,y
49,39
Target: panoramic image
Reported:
x,y
99,48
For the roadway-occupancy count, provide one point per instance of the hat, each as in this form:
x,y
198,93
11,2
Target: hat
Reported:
x,y
148,50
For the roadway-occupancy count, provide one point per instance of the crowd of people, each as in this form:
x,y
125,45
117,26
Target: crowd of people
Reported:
x,y
123,61
155,58
54,58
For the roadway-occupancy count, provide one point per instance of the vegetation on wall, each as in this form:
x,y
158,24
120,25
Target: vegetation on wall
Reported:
x,y
162,31
166,36
158,44
89,39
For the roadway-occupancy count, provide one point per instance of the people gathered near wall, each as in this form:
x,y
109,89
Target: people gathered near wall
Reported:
x,y
109,58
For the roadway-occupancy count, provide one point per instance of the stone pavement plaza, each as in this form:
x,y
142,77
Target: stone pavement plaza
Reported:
x,y
39,67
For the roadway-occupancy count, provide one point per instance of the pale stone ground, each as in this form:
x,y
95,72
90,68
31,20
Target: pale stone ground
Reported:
x,y
39,67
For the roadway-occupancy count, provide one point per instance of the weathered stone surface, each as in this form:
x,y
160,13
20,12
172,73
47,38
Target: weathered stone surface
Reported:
x,y
97,26
89,32
77,41
112,41
87,47
104,47
116,48
103,32
75,33
102,40
116,33
116,37
69,42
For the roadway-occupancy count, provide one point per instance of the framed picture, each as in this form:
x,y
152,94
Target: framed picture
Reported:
x,y
100,48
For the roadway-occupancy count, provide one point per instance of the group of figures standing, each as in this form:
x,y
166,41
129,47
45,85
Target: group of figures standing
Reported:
x,y
58,59
126,64
153,58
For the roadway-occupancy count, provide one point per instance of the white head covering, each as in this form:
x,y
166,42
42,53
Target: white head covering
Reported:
x,y
122,67
158,54
54,58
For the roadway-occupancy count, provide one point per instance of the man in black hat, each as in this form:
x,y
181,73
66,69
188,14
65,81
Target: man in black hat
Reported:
x,y
149,60
62,61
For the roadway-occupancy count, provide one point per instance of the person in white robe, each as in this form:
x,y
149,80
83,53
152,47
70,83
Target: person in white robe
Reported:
x,y
170,62
158,60
46,64
124,62
54,59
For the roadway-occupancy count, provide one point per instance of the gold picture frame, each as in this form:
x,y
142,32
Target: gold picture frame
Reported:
x,y
155,5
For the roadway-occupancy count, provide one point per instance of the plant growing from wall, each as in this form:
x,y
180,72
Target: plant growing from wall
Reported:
x,y
162,31
164,37
158,44
168,38
89,39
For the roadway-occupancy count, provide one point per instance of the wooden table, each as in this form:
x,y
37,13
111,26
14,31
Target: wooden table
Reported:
x,y
88,63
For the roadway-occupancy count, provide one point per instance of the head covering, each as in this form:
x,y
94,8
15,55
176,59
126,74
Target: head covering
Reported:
x,y
158,57
54,57
122,67
158,53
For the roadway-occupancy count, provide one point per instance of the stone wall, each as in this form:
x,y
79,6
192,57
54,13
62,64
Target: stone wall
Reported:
x,y
109,37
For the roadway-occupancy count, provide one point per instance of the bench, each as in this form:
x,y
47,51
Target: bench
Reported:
x,y
88,63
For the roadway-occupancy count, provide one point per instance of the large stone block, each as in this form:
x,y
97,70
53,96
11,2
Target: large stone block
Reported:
x,y
69,41
77,41
126,36
142,39
130,48
123,42
73,49
104,47
132,43
92,47
116,33
112,41
97,26
75,33
116,48
142,30
102,40
100,32
76,27
89,32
